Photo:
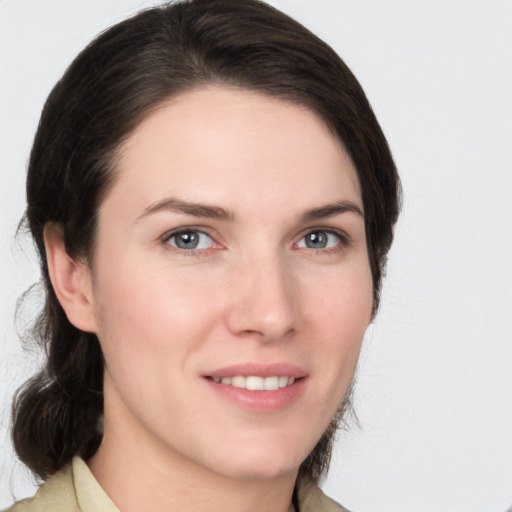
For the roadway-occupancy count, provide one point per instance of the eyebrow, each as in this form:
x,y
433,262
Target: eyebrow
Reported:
x,y
219,213
188,208
331,210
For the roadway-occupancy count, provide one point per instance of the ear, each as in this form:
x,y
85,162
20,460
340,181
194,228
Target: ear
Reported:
x,y
71,280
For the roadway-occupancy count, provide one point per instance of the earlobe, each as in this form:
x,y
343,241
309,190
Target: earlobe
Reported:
x,y
71,280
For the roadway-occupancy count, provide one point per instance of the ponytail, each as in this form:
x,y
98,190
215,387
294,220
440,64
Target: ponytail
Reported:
x,y
57,413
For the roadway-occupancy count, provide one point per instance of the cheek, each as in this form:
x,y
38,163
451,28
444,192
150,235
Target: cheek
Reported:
x,y
344,300
147,327
343,313
149,313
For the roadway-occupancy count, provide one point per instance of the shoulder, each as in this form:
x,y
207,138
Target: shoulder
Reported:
x,y
312,499
72,489
56,494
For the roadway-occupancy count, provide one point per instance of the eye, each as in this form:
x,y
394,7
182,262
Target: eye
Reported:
x,y
320,239
189,239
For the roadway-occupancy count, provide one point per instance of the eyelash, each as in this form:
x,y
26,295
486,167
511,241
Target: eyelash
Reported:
x,y
344,240
165,239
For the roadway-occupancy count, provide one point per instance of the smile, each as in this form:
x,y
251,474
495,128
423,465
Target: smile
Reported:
x,y
261,388
255,383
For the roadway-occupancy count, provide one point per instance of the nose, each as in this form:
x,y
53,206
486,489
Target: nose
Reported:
x,y
262,300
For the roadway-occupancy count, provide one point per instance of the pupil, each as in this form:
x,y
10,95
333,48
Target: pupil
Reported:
x,y
316,240
187,240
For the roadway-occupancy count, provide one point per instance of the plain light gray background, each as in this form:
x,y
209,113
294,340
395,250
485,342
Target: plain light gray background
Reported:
x,y
434,394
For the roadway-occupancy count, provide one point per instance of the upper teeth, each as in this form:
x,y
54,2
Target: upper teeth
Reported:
x,y
254,383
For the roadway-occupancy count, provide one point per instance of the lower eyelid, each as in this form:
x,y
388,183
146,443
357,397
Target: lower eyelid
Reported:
x,y
166,239
343,239
343,242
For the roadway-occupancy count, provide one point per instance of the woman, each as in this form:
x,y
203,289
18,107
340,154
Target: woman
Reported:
x,y
213,200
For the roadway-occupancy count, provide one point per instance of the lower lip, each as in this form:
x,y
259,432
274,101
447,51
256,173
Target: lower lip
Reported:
x,y
260,401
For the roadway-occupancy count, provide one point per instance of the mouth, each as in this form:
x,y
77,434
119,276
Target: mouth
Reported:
x,y
255,382
257,387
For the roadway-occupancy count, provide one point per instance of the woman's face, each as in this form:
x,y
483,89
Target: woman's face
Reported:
x,y
231,286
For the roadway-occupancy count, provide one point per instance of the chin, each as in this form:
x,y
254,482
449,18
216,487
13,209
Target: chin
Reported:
x,y
260,470
263,461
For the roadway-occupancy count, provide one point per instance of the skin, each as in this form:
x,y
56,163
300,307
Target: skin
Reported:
x,y
253,292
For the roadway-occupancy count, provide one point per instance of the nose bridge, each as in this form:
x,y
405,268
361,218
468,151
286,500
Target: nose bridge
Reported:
x,y
263,301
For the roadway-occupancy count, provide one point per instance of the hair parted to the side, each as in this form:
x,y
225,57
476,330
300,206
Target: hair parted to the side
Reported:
x,y
127,72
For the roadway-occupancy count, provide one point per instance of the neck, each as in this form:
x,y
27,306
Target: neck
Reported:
x,y
141,474
136,484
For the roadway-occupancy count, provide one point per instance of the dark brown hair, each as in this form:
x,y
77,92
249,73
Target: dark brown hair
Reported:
x,y
125,73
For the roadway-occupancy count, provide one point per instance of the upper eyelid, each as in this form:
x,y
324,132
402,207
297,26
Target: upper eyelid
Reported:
x,y
164,240
344,236
330,229
343,243
183,229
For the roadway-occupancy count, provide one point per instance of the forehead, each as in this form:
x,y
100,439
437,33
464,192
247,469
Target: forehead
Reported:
x,y
225,144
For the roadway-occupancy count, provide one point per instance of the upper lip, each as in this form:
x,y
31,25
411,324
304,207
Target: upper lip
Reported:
x,y
259,370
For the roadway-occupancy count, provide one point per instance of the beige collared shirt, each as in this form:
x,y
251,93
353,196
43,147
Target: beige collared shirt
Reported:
x,y
74,489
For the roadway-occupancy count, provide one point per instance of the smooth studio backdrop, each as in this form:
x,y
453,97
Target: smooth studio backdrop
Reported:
x,y
434,393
